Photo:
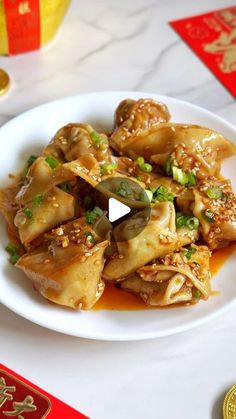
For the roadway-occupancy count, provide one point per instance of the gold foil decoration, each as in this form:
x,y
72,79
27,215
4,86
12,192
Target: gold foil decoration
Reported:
x,y
4,82
21,407
225,47
229,405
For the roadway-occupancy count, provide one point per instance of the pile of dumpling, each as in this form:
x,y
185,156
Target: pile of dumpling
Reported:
x,y
54,210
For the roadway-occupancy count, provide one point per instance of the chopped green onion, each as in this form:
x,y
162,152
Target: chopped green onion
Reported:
x,y
123,189
65,186
214,192
13,251
31,160
146,195
192,223
149,194
179,175
168,166
140,161
108,167
14,258
190,251
11,248
145,167
97,139
28,212
192,180
184,178
52,162
91,216
197,294
208,216
37,201
98,211
183,220
90,237
162,194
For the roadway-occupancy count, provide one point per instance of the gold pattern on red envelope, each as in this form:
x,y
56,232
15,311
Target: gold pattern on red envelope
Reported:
x,y
213,37
19,400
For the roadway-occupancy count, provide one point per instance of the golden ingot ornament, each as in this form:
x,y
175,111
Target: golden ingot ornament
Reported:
x,y
229,405
4,82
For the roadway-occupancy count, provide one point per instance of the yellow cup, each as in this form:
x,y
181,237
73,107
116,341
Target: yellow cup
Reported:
x,y
52,13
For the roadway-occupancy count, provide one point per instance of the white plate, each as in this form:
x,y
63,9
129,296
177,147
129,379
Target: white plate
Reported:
x,y
26,135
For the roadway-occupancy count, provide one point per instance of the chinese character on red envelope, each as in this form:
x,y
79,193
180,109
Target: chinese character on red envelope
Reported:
x,y
212,36
20,399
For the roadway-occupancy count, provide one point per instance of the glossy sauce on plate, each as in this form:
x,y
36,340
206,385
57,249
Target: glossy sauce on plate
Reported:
x,y
114,298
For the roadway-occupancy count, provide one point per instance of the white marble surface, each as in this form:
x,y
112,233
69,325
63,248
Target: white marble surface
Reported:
x,y
122,45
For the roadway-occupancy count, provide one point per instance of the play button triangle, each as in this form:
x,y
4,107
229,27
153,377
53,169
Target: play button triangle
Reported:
x,y
116,209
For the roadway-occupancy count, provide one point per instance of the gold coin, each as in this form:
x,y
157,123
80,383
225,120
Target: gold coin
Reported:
x,y
229,405
4,82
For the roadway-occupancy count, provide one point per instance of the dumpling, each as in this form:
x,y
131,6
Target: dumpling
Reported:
x,y
75,140
40,216
40,178
158,237
140,114
191,147
9,207
134,118
196,149
215,206
178,277
67,268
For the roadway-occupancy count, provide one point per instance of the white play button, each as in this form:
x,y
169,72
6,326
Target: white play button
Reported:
x,y
116,209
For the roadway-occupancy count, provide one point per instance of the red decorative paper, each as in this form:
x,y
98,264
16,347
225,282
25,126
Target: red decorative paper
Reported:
x,y
23,25
20,399
212,36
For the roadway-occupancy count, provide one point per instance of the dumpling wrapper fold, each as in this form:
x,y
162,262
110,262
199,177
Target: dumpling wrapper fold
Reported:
x,y
74,141
71,275
134,117
57,206
204,148
40,179
173,279
221,230
158,237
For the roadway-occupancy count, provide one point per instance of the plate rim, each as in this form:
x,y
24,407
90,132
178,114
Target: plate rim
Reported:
x,y
133,336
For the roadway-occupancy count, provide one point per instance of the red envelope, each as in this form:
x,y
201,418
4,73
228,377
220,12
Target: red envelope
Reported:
x,y
23,25
212,36
20,399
